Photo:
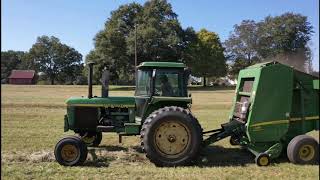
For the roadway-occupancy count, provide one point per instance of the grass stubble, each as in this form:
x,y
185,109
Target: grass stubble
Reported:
x,y
32,123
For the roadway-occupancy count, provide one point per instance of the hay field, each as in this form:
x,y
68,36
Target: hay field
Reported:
x,y
32,123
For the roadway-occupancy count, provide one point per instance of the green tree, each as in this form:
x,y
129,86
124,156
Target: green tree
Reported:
x,y
283,38
243,42
160,37
111,45
10,60
206,56
54,58
237,65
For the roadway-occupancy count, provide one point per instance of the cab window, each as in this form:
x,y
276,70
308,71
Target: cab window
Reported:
x,y
168,83
143,83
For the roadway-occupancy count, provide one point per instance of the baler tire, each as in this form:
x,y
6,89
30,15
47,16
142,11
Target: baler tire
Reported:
x,y
186,122
74,143
263,159
303,144
97,139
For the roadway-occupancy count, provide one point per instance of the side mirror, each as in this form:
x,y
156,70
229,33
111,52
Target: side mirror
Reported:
x,y
189,95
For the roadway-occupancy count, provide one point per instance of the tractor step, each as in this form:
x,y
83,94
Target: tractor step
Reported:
x,y
105,128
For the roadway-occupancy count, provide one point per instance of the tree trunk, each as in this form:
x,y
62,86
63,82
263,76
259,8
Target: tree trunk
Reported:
x,y
204,81
52,81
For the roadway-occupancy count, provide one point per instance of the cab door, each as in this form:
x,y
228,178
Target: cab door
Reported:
x,y
143,91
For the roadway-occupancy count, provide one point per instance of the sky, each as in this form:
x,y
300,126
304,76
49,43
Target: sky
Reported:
x,y
76,22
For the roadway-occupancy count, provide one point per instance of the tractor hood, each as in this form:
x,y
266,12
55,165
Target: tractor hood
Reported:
x,y
118,101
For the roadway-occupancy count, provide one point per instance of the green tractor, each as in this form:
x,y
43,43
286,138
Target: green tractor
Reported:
x,y
159,112
274,106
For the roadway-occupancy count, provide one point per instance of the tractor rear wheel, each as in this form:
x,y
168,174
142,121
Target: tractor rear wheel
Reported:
x,y
71,151
92,139
303,149
171,136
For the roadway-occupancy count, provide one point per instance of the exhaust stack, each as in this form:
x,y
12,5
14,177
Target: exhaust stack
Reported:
x,y
90,79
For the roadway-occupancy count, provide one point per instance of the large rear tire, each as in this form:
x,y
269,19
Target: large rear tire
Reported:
x,y
303,149
171,136
71,151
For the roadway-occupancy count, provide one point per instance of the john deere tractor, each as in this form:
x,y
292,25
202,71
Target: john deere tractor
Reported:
x,y
159,112
274,106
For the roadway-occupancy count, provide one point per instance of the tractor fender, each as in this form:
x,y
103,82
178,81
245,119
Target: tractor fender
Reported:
x,y
161,104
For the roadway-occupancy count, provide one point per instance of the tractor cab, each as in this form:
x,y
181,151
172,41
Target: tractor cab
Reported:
x,y
161,79
159,84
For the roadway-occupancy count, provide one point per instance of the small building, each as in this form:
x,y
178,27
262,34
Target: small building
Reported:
x,y
22,77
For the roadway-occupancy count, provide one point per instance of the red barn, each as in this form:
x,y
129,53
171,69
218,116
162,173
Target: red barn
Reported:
x,y
22,77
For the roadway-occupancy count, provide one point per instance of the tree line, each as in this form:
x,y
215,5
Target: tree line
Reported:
x,y
58,62
160,37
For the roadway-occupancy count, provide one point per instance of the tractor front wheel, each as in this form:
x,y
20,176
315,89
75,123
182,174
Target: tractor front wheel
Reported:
x,y
171,136
303,149
71,151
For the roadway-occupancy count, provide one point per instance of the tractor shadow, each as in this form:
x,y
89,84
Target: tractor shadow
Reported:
x,y
211,156
98,156
221,156
103,155
111,148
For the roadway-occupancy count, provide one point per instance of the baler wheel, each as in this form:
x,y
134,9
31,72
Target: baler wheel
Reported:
x,y
262,159
91,139
71,151
303,149
171,136
234,141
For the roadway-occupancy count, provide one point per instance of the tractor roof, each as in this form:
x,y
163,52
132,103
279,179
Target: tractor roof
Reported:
x,y
161,65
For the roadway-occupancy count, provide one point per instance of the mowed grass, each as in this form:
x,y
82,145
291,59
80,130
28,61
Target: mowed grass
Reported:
x,y
32,124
